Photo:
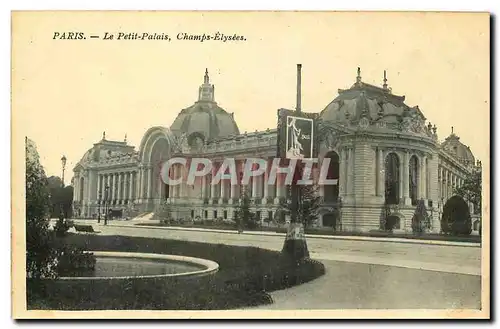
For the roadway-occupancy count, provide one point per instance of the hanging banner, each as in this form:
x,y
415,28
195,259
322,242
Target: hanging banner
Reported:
x,y
296,135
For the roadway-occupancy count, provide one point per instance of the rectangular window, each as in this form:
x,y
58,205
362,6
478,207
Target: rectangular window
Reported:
x,y
206,214
225,214
270,215
192,213
257,215
215,214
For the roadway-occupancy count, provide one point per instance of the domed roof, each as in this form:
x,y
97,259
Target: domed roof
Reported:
x,y
457,149
105,149
379,107
205,117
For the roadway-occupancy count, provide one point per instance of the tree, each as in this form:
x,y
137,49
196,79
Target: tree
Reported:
x,y
243,216
471,190
456,217
61,198
45,257
420,220
40,256
308,213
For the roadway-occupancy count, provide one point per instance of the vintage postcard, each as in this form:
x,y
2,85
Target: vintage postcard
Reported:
x,y
250,164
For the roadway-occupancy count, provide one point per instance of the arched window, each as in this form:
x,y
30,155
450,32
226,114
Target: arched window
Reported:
x,y
414,177
392,179
331,192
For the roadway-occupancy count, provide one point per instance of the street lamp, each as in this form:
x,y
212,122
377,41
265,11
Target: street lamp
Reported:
x,y
106,195
63,162
99,210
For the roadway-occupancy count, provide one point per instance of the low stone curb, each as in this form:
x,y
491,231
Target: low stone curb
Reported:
x,y
313,236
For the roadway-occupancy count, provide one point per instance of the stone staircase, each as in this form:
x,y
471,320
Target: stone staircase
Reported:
x,y
143,217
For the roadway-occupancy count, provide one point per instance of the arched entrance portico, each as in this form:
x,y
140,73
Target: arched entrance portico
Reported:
x,y
156,148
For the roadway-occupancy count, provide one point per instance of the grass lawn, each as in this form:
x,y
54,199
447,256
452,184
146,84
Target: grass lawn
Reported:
x,y
328,231
245,276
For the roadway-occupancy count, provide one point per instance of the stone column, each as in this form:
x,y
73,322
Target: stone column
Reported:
x,y
448,187
213,187
148,183
342,175
420,188
138,186
234,188
135,179
406,179
455,179
350,172
131,186
425,195
279,191
255,187
380,173
112,186
265,178
106,183
203,187
223,189
171,188
120,193
445,185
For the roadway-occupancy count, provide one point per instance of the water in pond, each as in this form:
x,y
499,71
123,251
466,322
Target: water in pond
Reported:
x,y
126,266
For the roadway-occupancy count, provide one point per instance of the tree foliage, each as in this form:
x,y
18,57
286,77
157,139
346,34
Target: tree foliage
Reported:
x,y
243,215
40,256
420,221
61,198
308,211
471,190
45,257
456,217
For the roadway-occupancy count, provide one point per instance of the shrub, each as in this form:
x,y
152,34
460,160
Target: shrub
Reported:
x,y
420,220
456,218
72,261
61,227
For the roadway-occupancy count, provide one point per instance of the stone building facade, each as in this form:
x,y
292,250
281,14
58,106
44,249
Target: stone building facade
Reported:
x,y
384,154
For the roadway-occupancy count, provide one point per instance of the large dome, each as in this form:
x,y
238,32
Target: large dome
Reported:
x,y
375,108
205,118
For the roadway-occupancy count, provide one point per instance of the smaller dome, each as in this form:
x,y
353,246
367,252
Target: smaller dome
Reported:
x,y
457,149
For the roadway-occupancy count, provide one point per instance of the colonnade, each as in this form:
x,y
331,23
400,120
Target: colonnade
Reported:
x,y
224,192
448,182
117,187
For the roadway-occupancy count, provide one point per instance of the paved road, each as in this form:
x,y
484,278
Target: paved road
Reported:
x,y
451,259
364,286
360,274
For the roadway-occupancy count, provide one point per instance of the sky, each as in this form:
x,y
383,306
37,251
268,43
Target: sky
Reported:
x,y
65,93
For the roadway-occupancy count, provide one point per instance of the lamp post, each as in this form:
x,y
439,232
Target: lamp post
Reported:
x,y
63,162
99,209
106,195
295,245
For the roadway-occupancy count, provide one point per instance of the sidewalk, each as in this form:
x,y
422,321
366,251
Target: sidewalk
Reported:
x,y
137,224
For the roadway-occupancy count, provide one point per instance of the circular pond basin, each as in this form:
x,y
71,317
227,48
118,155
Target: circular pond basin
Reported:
x,y
124,265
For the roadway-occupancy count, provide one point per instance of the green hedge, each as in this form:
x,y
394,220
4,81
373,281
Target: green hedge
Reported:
x,y
245,276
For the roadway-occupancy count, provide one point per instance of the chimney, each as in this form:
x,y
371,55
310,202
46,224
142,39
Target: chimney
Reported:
x,y
299,87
